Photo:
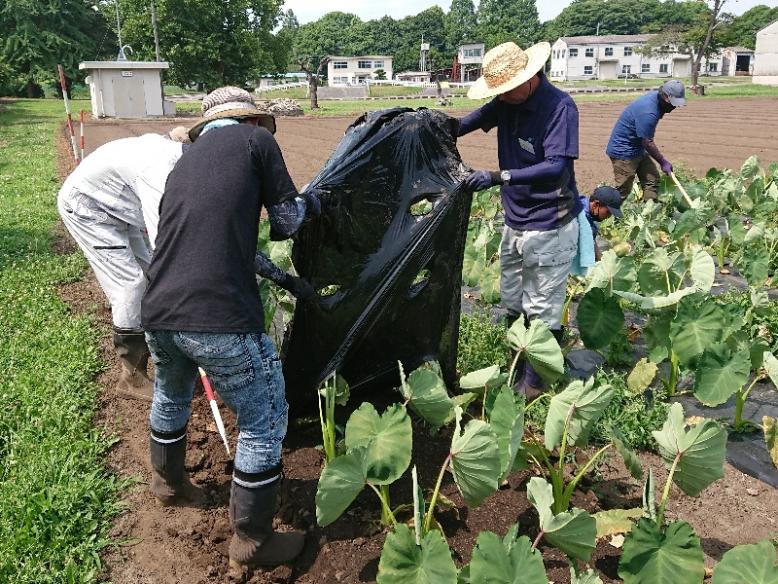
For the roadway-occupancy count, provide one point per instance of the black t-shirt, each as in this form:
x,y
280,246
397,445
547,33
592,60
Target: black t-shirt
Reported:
x,y
202,275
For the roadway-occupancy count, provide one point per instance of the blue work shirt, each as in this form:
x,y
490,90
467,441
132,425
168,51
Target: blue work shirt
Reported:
x,y
593,223
638,120
543,127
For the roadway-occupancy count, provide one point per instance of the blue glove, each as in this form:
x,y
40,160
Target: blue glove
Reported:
x,y
312,200
482,179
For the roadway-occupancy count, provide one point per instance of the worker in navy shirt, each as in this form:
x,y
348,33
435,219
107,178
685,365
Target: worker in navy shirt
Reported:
x,y
537,143
604,202
631,146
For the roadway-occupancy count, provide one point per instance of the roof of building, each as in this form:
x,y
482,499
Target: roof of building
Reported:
x,y
608,38
415,73
739,49
772,27
334,58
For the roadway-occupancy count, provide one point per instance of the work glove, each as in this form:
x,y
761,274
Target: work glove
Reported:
x,y
312,198
482,179
300,288
667,168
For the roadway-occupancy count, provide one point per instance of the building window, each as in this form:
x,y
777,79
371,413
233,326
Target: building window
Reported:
x,y
626,69
608,51
663,68
339,65
645,68
713,67
590,52
563,53
472,52
588,70
627,51
378,64
573,52
340,80
365,64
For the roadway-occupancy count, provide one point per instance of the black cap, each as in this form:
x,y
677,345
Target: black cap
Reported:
x,y
609,197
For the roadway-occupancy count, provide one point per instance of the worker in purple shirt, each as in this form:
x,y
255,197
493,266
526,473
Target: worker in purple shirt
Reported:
x,y
631,146
537,143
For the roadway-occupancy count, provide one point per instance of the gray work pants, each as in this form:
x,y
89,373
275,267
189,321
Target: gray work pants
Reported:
x,y
118,252
533,271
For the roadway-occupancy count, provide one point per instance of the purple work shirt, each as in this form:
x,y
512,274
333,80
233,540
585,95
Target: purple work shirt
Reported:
x,y
543,128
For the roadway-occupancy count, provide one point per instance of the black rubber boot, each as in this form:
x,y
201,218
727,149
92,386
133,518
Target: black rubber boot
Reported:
x,y
170,482
254,542
134,356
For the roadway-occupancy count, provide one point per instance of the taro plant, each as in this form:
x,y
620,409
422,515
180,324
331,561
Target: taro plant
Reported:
x,y
335,391
537,345
481,266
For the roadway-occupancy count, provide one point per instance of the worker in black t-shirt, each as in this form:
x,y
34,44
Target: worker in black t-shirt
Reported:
x,y
202,309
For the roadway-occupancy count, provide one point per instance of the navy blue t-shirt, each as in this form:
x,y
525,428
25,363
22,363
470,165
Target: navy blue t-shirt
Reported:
x,y
545,126
638,120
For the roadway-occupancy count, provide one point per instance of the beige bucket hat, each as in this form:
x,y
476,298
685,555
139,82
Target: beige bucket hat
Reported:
x,y
506,67
231,102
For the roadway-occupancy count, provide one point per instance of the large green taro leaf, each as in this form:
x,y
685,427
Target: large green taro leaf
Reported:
x,y
574,532
507,422
404,562
428,396
754,264
475,460
695,328
748,564
641,376
495,562
586,577
599,318
539,346
657,275
473,265
630,458
700,450
490,283
387,439
612,273
479,379
339,484
656,556
770,364
720,373
584,404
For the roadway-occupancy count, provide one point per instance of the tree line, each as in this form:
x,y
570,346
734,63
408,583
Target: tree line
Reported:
x,y
214,42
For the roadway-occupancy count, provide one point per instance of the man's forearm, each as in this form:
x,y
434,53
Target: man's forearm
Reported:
x,y
548,171
653,150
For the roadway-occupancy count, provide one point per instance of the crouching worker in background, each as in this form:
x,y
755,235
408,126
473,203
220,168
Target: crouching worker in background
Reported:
x,y
202,309
604,202
102,204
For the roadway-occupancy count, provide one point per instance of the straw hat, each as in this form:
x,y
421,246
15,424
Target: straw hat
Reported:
x,y
506,67
179,134
231,102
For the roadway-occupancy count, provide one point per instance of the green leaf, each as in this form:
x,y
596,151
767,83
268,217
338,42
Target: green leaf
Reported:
x,y
770,427
386,439
641,376
751,168
475,461
656,276
339,484
694,329
748,564
490,283
404,562
599,318
494,563
754,264
770,363
429,397
574,532
612,273
616,521
720,373
507,422
479,379
539,346
655,556
701,450
702,270
649,495
418,507
473,265
587,577
586,403
657,302
631,459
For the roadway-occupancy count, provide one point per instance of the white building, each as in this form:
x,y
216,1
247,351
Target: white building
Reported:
x,y
618,56
766,55
737,61
357,70
470,57
127,89
414,76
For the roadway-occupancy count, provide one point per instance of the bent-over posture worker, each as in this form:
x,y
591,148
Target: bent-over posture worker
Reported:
x,y
604,202
202,309
537,143
631,146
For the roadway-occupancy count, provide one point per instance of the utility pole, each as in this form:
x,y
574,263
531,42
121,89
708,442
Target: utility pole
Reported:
x,y
155,29
121,56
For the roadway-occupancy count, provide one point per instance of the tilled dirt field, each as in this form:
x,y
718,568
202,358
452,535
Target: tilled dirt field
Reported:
x,y
720,133
188,544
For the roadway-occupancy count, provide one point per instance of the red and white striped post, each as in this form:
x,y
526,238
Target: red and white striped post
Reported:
x,y
72,132
81,137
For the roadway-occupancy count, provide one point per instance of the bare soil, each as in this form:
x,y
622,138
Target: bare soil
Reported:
x,y
189,545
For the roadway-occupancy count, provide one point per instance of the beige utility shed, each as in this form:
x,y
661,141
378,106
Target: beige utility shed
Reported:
x,y
127,89
766,56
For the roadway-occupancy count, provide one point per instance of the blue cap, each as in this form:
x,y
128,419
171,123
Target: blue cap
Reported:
x,y
609,197
675,92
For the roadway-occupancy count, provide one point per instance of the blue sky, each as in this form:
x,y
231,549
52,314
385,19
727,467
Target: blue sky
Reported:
x,y
308,10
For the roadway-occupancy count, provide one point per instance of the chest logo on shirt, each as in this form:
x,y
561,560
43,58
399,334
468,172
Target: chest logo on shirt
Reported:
x,y
527,145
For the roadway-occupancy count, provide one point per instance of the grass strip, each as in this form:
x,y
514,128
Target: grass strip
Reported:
x,y
57,498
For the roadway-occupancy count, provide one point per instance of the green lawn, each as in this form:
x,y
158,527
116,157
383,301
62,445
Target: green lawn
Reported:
x,y
57,498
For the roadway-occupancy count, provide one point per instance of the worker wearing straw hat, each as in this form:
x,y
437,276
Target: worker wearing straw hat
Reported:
x,y
537,142
202,309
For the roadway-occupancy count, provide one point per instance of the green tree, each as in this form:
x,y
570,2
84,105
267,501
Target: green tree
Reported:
x,y
500,21
460,23
207,43
741,32
39,34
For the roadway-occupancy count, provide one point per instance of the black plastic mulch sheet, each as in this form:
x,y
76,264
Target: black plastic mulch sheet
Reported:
x,y
386,256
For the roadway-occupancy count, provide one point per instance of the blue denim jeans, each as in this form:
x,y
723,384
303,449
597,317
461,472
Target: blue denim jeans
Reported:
x,y
244,369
